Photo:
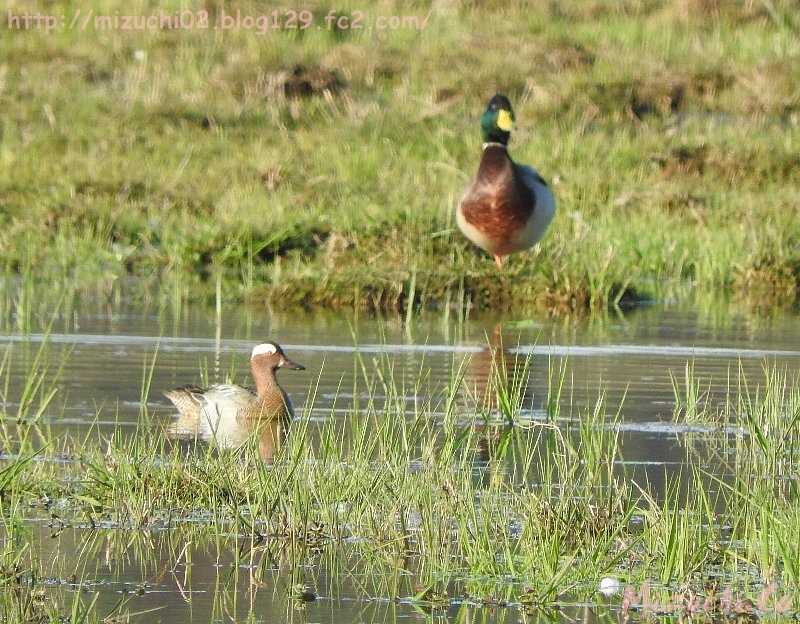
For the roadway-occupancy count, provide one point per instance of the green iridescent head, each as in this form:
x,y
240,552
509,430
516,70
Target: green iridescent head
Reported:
x,y
498,120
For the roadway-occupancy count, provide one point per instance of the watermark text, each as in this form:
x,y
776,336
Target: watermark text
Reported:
x,y
260,23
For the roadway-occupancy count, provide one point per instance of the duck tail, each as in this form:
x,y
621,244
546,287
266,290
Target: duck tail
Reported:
x,y
186,398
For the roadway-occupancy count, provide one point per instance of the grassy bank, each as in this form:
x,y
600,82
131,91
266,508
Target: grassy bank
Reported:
x,y
322,166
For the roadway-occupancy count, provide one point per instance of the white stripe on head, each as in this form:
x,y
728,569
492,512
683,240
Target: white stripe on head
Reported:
x,y
266,348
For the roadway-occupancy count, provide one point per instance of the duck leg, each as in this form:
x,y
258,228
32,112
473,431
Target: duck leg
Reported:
x,y
498,260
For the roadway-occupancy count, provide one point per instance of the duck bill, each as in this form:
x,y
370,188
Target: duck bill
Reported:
x,y
290,364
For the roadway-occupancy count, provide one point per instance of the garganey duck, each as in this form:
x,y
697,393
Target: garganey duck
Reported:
x,y
229,414
508,206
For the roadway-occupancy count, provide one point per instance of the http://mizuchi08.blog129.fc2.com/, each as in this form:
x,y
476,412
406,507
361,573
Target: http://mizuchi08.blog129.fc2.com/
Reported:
x,y
84,19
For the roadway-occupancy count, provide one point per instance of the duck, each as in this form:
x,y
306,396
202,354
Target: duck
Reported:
x,y
508,207
229,415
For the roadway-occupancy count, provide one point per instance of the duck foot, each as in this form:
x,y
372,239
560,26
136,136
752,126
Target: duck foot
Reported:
x,y
498,260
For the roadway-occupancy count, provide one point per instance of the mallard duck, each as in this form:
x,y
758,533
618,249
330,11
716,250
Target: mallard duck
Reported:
x,y
229,414
508,206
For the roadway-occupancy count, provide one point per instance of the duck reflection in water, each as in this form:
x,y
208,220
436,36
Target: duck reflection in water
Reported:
x,y
495,384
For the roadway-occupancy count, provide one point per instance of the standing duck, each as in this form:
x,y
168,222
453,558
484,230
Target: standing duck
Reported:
x,y
508,206
229,414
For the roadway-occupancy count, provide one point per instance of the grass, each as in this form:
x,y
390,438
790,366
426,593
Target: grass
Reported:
x,y
667,129
454,501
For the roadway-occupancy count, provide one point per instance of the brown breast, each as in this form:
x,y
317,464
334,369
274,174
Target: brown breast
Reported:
x,y
497,203
269,418
269,406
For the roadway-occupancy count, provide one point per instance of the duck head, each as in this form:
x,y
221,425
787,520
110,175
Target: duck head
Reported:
x,y
497,120
270,356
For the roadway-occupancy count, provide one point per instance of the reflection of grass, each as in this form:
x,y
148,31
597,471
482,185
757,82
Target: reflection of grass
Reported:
x,y
666,128
691,401
766,415
24,402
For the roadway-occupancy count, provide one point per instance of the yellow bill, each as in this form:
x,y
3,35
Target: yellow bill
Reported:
x,y
504,121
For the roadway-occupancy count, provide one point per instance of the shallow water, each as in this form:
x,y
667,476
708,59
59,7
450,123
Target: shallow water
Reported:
x,y
629,358
151,570
107,349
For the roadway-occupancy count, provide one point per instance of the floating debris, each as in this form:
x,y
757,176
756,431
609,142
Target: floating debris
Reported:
x,y
609,586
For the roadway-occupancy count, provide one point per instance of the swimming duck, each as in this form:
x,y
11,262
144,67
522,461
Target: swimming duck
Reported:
x,y
508,206
229,414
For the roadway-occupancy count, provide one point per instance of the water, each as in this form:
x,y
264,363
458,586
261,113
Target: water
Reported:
x,y
107,349
217,587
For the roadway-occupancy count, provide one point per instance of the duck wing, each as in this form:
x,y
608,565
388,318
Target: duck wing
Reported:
x,y
528,175
544,207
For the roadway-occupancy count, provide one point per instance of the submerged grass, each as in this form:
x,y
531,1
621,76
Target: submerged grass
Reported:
x,y
321,167
758,489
